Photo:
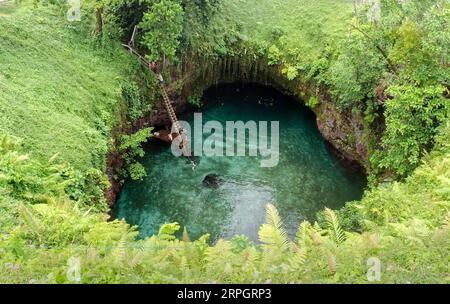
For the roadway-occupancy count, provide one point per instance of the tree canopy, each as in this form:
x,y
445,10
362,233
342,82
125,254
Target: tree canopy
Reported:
x,y
162,25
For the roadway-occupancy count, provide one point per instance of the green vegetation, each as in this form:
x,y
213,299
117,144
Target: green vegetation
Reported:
x,y
367,66
130,92
63,90
405,225
60,90
340,51
304,27
162,23
130,149
412,117
195,99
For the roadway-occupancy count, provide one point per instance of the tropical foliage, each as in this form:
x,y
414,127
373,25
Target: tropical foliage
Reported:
x,y
406,226
393,69
131,148
162,25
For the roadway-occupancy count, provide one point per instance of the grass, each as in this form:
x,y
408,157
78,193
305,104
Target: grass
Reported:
x,y
306,24
58,91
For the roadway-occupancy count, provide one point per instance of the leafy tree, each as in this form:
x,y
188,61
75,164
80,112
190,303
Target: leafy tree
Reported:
x,y
355,73
162,25
126,14
406,37
201,10
400,61
99,7
412,118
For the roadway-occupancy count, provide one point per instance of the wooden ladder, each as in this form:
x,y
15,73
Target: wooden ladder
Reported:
x,y
169,107
166,101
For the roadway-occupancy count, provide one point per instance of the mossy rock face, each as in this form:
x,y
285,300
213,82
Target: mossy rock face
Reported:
x,y
213,181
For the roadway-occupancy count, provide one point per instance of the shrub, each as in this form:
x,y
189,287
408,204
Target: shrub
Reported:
x,y
412,118
195,99
313,102
131,148
130,93
274,55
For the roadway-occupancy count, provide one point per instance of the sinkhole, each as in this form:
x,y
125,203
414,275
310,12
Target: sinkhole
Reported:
x,y
227,195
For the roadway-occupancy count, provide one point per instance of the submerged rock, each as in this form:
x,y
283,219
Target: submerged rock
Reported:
x,y
212,181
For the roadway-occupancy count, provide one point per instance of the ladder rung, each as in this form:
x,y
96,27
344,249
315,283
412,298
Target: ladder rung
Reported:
x,y
170,110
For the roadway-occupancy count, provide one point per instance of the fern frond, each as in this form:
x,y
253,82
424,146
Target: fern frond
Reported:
x,y
333,226
167,231
30,220
316,236
332,262
302,236
298,257
273,233
273,218
135,260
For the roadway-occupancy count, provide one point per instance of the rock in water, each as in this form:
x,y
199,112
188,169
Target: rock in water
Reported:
x,y
212,181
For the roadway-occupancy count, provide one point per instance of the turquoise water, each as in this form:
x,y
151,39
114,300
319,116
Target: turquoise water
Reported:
x,y
306,179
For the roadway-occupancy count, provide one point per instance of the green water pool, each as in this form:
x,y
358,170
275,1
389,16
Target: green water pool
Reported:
x,y
307,178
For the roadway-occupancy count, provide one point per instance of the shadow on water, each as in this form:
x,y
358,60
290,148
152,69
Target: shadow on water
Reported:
x,y
232,201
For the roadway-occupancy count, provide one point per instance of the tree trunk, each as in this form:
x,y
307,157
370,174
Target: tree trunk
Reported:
x,y
99,21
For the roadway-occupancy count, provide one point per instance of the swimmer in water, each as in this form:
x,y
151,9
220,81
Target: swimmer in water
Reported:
x,y
193,165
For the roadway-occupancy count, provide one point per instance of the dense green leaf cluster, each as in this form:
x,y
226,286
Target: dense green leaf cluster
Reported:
x,y
130,149
130,93
162,25
412,118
